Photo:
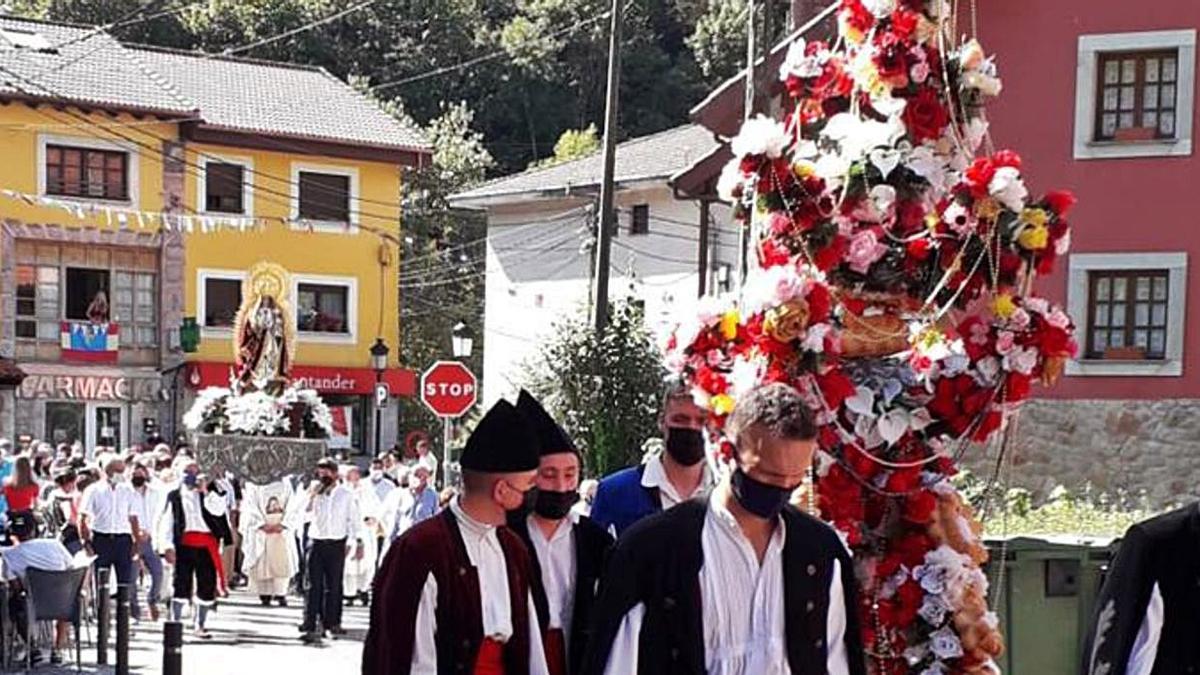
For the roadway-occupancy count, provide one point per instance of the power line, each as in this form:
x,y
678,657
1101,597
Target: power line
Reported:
x,y
123,20
295,31
480,59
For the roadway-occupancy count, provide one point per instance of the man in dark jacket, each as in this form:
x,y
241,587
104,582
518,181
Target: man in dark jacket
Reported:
x,y
739,583
567,552
1148,614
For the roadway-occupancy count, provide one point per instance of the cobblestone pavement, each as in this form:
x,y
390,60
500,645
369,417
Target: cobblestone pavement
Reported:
x,y
248,639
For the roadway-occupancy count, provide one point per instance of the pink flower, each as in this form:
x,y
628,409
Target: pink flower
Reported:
x,y
864,250
1005,342
1058,319
920,72
979,334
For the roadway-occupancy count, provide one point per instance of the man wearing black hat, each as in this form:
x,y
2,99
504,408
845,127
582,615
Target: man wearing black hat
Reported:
x,y
567,551
454,593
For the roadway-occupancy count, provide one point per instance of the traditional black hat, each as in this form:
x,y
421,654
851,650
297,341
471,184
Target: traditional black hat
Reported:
x,y
551,436
503,442
327,463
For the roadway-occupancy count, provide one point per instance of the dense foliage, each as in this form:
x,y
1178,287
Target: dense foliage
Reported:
x,y
537,67
605,391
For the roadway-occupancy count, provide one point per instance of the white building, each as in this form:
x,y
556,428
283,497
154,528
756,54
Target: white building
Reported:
x,y
541,223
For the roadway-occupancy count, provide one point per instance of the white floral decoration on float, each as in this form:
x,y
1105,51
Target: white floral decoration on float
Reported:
x,y
222,410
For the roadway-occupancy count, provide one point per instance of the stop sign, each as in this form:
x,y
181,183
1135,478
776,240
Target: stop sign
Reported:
x,y
448,388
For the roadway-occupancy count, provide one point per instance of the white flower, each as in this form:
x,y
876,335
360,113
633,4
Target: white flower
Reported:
x,y
730,179
922,161
1021,360
799,64
934,609
959,219
814,338
880,8
1063,244
1058,319
744,376
771,287
760,135
944,644
1007,187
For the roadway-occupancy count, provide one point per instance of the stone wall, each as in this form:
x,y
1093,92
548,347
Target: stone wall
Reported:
x,y
1150,446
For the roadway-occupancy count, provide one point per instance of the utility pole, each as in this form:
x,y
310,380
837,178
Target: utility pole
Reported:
x,y
748,111
607,214
703,271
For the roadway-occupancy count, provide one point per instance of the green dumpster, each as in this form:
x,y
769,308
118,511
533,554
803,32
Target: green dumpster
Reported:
x,y
1046,598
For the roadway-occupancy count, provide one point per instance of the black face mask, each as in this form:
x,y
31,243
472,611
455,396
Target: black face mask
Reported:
x,y
685,445
326,480
138,481
757,497
555,505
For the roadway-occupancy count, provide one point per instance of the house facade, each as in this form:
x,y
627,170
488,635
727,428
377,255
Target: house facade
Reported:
x,y
541,225
140,186
1116,126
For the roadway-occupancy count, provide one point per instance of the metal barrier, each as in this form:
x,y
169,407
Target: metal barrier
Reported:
x,y
172,648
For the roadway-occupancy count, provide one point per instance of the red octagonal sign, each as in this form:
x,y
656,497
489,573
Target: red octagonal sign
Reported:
x,y
449,388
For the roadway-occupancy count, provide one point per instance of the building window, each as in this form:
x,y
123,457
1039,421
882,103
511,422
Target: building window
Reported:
x,y
87,297
640,221
224,184
134,303
324,197
1128,314
87,172
1134,94
222,298
323,308
1136,99
37,302
1131,308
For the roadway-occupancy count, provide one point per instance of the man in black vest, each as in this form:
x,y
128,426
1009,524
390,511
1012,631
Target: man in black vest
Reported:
x,y
741,582
1148,614
567,552
190,532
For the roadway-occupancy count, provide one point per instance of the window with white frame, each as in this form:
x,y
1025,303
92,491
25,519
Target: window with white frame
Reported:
x,y
326,307
1131,311
86,168
1134,94
219,298
224,185
325,196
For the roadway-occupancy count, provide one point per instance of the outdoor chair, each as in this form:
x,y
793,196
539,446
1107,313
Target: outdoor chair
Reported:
x,y
54,596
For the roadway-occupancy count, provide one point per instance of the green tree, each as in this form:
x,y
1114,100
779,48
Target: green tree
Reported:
x,y
572,144
605,389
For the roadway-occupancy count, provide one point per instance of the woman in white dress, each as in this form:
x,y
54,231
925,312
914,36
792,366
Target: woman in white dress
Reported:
x,y
360,555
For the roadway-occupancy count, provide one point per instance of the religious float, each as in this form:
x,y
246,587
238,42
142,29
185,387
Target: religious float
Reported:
x,y
892,260
261,426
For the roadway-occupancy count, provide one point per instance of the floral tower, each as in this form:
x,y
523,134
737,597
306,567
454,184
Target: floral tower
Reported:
x,y
893,255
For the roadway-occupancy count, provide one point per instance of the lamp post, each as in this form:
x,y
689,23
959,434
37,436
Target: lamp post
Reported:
x,y
461,343
379,354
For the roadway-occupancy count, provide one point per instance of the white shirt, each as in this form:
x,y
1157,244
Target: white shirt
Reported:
x,y
108,508
1145,645
149,507
742,604
556,557
193,517
333,515
485,554
383,487
655,476
42,554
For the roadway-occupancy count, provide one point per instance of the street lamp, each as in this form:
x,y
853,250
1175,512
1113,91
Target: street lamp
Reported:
x,y
379,354
461,343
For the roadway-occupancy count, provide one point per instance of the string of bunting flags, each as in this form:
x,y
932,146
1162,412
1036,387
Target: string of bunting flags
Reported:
x,y
126,218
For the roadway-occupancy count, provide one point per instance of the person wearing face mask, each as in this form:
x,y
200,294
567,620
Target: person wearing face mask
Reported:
x,y
380,481
739,583
679,474
568,551
108,520
189,532
454,593
149,501
334,524
408,506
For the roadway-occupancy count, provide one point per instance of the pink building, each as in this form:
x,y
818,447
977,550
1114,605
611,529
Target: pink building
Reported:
x,y
1099,99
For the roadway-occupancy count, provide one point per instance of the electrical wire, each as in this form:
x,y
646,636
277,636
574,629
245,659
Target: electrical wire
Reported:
x,y
295,31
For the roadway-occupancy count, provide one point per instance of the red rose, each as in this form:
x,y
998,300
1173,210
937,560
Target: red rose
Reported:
x,y
991,422
711,381
772,253
856,16
833,82
980,173
818,303
918,249
835,387
1060,201
1007,158
904,23
919,507
891,59
1017,389
829,257
925,116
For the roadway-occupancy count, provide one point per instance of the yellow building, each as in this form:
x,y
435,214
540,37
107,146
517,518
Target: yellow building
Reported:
x,y
138,185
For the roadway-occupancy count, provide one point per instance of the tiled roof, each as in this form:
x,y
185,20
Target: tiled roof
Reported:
x,y
279,99
88,67
658,155
85,65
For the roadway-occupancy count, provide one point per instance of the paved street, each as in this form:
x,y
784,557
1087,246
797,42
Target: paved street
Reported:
x,y
247,638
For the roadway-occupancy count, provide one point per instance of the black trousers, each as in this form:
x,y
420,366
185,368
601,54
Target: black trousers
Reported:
x,y
116,551
194,562
326,563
